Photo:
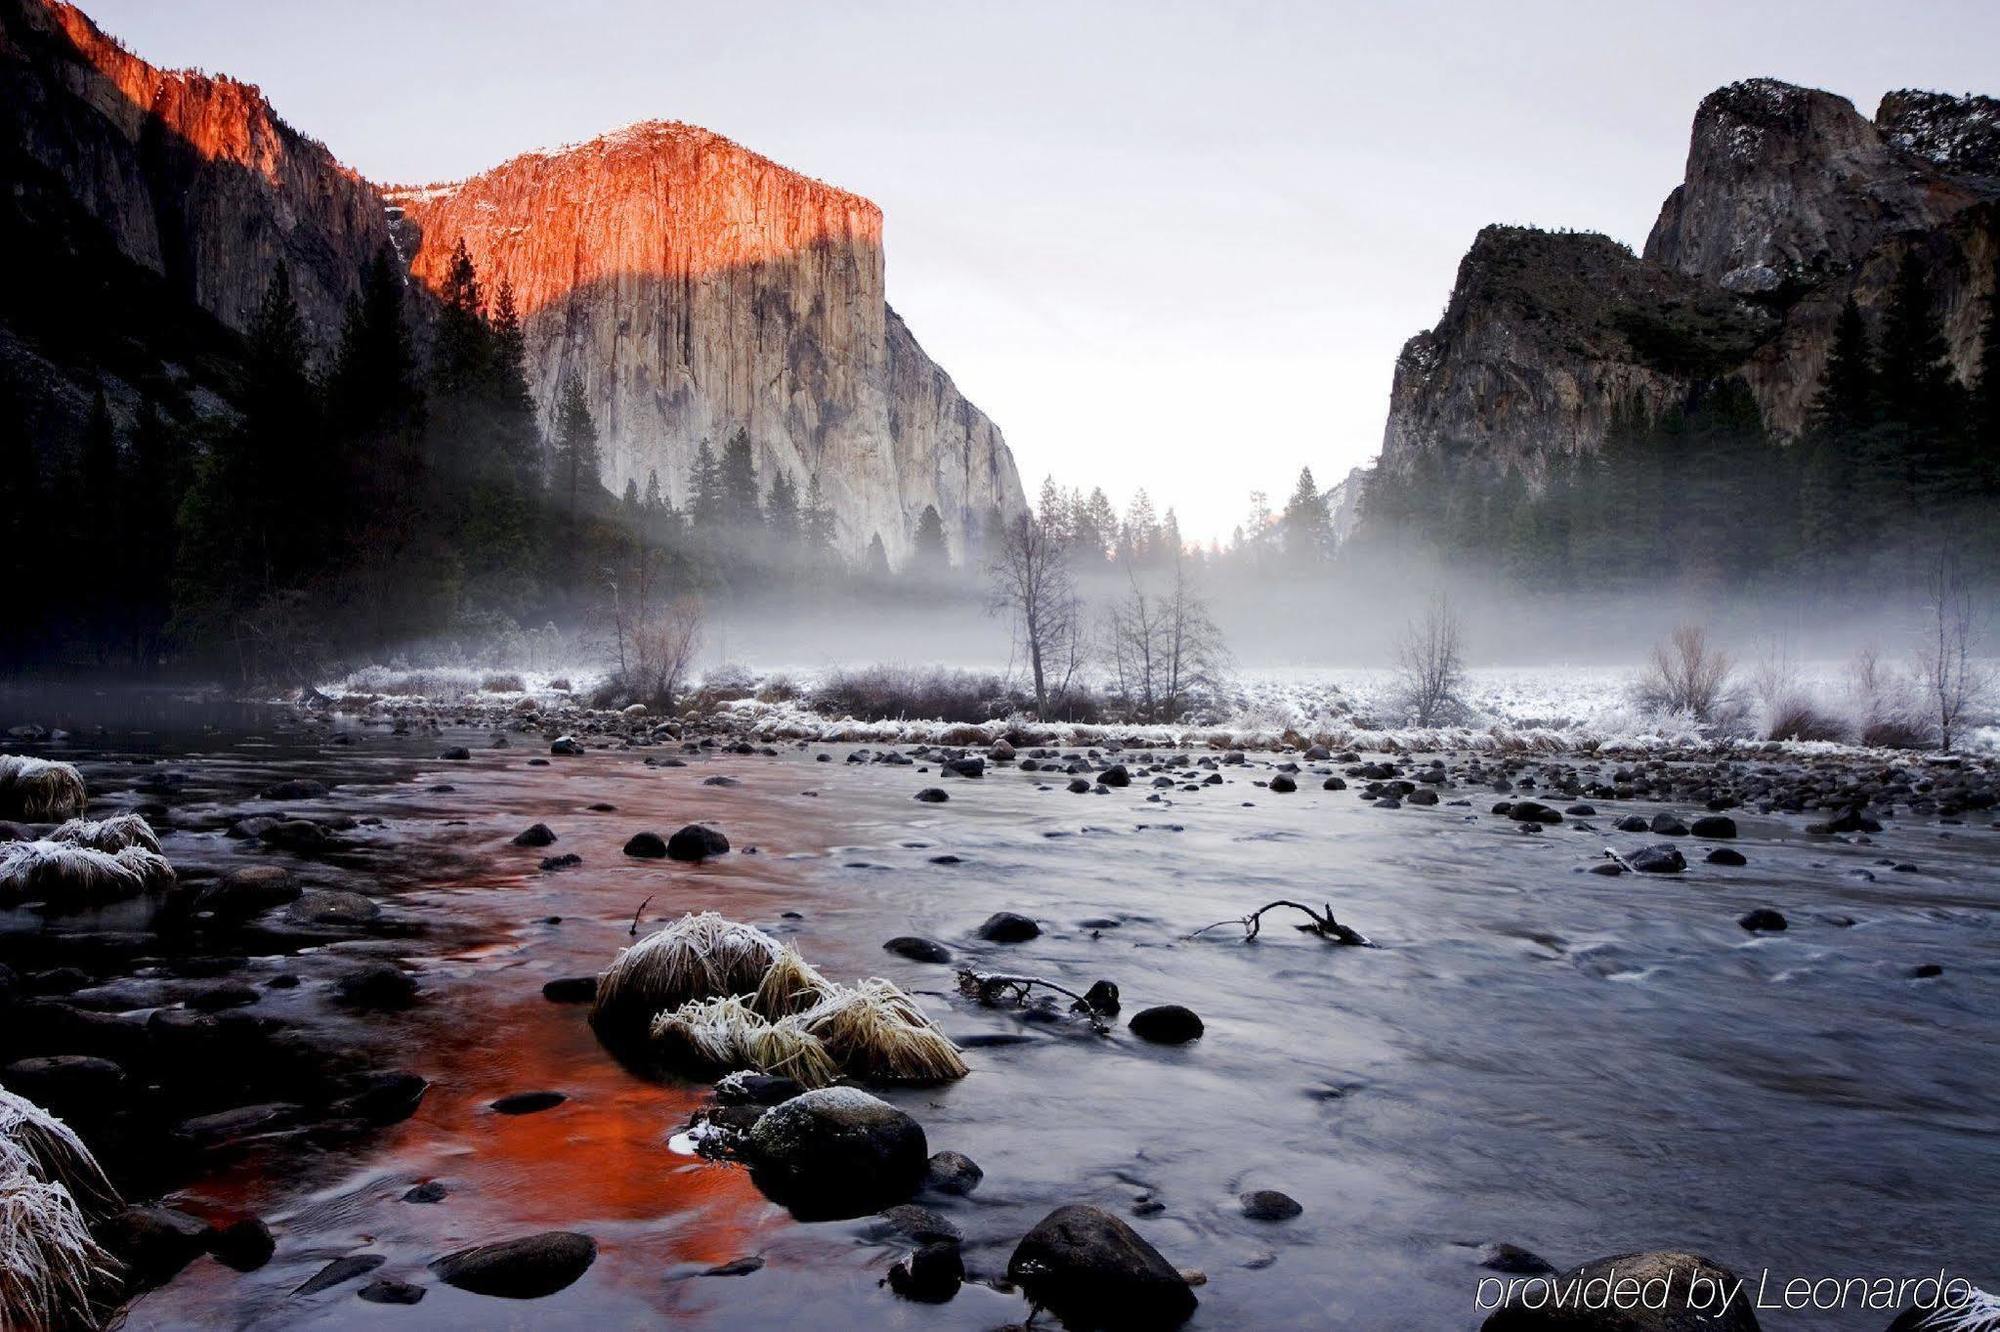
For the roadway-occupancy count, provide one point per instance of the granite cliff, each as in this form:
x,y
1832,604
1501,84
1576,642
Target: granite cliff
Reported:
x,y
1791,201
696,287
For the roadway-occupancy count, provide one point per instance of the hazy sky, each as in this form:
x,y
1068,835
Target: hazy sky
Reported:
x,y
1161,244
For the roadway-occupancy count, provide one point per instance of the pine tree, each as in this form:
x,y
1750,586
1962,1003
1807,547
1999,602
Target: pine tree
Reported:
x,y
781,511
513,404
1983,420
1915,375
24,522
817,525
929,551
705,505
1139,540
459,356
1845,403
99,552
1053,508
153,487
576,479
1306,526
740,508
876,563
1170,535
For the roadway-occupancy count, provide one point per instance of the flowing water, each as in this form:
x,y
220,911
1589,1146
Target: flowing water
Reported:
x,y
1577,1064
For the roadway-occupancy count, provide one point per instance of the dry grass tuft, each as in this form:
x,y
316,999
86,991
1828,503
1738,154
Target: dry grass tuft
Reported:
x,y
68,875
791,986
877,1031
113,834
705,956
51,1269
728,1033
39,790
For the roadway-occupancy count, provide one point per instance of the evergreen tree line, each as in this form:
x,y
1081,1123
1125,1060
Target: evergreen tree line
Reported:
x,y
397,493
1899,458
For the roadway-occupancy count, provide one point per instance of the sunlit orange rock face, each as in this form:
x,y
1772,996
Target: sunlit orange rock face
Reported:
x,y
193,176
696,288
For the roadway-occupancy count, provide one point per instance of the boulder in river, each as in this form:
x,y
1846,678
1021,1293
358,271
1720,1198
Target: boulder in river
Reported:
x,y
837,1152
697,842
646,846
1716,826
535,834
1166,1024
931,1275
918,949
520,1269
1660,859
952,1173
1269,1205
1688,1280
1008,927
1094,1271
933,795
1763,920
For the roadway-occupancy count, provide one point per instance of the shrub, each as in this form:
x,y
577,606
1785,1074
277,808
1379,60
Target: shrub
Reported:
x,y
1687,675
503,682
1796,718
895,693
1898,733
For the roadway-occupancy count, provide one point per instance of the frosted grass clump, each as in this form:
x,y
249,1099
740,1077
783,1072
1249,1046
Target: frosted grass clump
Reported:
x,y
39,790
791,986
875,1030
729,1033
704,956
113,834
51,1268
64,874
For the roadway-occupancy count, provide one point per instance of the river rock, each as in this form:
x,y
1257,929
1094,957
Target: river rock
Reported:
x,y
1680,1269
1715,826
1283,785
1660,859
377,985
535,834
528,1102
520,1269
388,1290
918,949
1726,855
933,795
931,1275
1528,811
646,846
1762,921
244,1245
952,1173
154,1243
1269,1205
697,842
837,1152
1094,1271
1167,1024
1008,927
570,990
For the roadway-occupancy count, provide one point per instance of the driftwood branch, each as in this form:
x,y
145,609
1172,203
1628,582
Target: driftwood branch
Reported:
x,y
636,914
1322,924
994,989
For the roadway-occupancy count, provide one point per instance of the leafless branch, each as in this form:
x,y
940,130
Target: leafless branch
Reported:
x,y
1323,924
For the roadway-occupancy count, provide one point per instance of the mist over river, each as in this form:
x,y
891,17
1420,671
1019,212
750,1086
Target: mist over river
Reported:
x,y
1577,1064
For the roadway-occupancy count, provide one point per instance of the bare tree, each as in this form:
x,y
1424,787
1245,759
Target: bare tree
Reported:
x,y
1430,665
1687,674
1166,652
1030,579
1951,682
663,648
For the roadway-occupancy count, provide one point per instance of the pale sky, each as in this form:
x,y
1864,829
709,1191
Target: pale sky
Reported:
x,y
1161,244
